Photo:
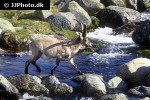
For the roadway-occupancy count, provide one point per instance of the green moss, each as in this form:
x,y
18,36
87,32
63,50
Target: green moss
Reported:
x,y
144,51
88,50
147,4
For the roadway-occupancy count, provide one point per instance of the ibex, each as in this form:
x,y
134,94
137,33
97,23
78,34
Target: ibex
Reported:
x,y
56,48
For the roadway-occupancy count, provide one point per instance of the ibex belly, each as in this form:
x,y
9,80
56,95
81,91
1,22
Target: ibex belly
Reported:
x,y
57,52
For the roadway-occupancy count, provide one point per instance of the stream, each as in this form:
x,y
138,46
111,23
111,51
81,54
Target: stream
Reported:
x,y
105,61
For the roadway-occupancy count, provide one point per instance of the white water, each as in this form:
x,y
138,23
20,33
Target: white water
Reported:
x,y
116,49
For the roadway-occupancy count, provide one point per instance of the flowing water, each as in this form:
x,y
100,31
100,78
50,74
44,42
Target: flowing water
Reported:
x,y
105,61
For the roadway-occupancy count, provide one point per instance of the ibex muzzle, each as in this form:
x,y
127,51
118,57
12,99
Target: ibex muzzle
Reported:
x,y
56,48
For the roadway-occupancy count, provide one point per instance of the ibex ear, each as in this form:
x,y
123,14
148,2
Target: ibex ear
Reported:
x,y
80,35
84,31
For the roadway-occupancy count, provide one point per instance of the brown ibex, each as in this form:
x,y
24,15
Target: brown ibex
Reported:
x,y
56,48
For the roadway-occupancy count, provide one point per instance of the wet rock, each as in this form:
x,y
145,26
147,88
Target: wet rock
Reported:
x,y
93,86
80,14
116,84
115,16
141,35
113,2
55,87
80,78
7,90
135,71
50,80
91,6
60,89
132,4
141,91
119,96
6,25
28,83
42,14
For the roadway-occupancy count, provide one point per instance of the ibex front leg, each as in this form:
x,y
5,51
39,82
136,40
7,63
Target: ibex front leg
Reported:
x,y
54,68
75,66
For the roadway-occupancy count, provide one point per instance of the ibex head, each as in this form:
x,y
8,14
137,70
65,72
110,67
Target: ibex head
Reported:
x,y
82,35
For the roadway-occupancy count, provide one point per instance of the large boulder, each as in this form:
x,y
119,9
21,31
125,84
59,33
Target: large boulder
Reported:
x,y
142,91
91,6
135,71
80,14
55,87
28,83
113,2
7,90
141,35
63,20
93,86
119,96
116,84
6,25
115,16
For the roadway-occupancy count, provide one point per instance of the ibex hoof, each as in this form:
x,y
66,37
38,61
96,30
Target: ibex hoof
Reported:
x,y
80,73
26,72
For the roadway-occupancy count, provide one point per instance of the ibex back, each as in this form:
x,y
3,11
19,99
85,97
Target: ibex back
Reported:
x,y
56,48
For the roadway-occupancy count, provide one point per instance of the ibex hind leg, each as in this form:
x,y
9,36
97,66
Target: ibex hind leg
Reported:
x,y
33,61
75,66
54,68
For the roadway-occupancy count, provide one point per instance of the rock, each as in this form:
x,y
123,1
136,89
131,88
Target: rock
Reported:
x,y
80,14
28,83
80,78
93,86
132,4
115,16
55,87
147,80
135,70
42,14
117,84
63,20
6,25
50,80
141,91
7,90
91,6
119,96
141,35
60,89
113,2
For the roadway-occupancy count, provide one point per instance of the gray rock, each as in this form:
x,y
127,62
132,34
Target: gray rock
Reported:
x,y
135,71
132,4
91,6
28,83
113,2
50,80
93,86
60,89
141,91
42,14
6,25
77,11
114,16
117,84
80,78
141,35
119,96
7,90
63,20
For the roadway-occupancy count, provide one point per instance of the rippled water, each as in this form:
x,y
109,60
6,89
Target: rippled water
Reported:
x,y
105,61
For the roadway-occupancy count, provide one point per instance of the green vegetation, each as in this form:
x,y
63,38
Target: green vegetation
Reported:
x,y
147,4
144,51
